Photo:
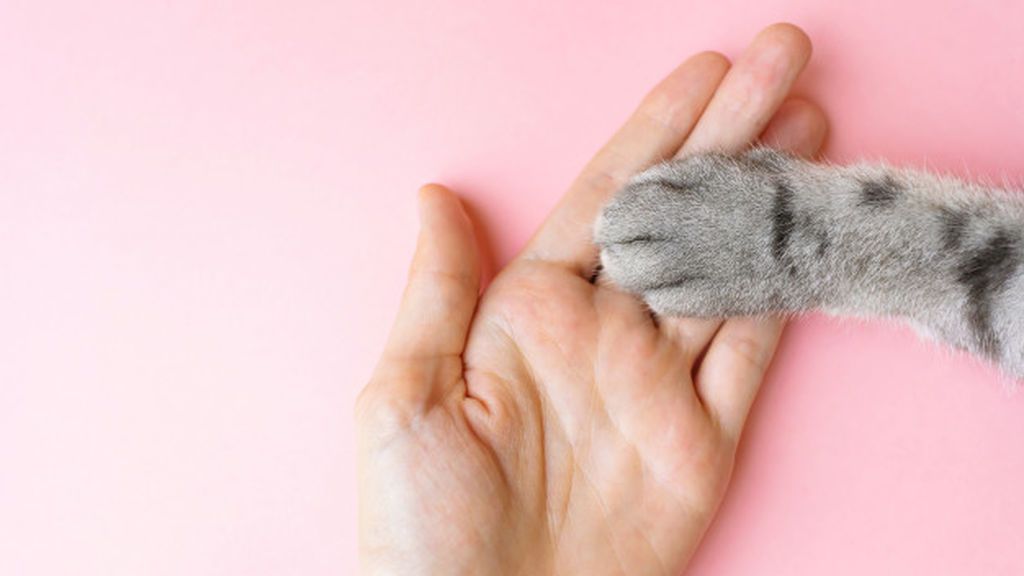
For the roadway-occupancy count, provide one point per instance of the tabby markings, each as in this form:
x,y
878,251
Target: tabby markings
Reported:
x,y
880,193
984,273
782,219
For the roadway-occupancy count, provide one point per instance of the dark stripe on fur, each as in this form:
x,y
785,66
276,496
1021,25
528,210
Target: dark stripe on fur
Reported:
x,y
824,243
782,219
985,272
880,193
676,283
645,238
673,185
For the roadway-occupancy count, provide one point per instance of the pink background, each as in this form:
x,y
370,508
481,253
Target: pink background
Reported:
x,y
206,212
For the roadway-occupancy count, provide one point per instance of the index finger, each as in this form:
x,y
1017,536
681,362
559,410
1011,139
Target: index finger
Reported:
x,y
653,133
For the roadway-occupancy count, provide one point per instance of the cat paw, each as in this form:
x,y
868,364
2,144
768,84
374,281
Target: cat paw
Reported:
x,y
694,236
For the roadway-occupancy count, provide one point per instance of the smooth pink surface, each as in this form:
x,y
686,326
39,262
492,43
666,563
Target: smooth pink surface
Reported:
x,y
207,208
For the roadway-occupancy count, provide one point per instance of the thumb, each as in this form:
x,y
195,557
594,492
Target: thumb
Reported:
x,y
422,358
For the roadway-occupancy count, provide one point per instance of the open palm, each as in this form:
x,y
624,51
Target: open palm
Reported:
x,y
552,425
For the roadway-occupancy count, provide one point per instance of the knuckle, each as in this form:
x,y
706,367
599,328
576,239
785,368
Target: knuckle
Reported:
x,y
748,351
383,414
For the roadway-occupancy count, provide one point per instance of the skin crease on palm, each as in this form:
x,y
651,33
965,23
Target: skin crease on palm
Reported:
x,y
550,425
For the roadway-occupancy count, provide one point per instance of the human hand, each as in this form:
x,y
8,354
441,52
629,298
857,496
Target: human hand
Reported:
x,y
554,426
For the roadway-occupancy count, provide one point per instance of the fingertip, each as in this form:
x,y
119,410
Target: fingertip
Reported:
x,y
709,65
817,122
790,35
432,189
799,126
446,240
438,199
710,59
432,193
664,102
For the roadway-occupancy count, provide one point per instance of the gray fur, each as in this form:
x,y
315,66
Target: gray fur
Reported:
x,y
762,232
